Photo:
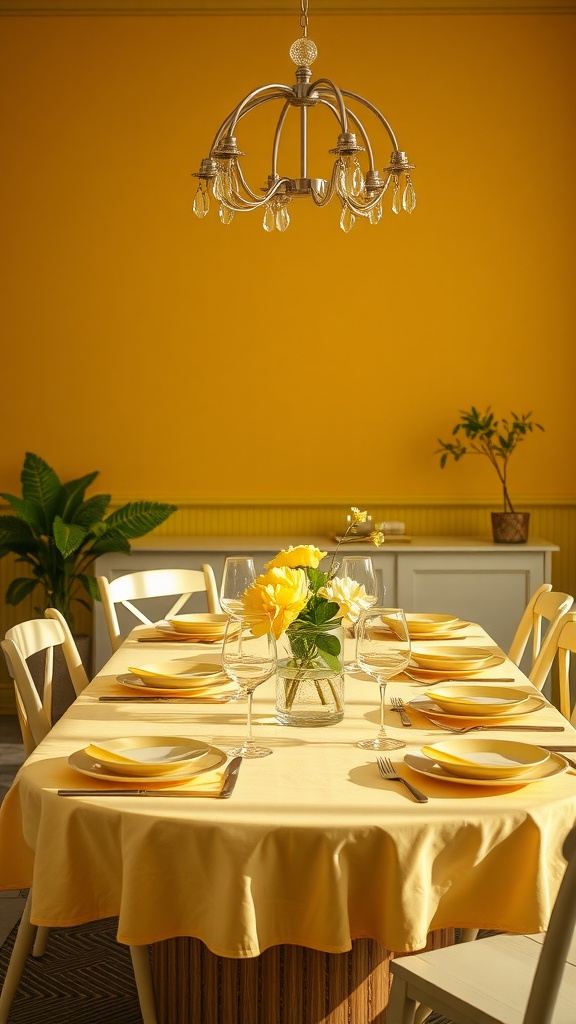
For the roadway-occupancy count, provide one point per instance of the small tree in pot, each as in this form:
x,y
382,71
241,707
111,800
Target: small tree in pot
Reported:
x,y
59,533
497,440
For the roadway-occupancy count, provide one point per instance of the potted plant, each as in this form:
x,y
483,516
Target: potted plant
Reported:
x,y
497,440
59,533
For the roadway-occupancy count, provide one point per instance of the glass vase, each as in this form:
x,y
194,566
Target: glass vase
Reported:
x,y
310,675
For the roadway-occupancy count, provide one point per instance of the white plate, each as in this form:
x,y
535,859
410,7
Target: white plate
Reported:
x,y
146,755
485,758
179,674
480,698
425,674
81,762
448,658
555,765
430,709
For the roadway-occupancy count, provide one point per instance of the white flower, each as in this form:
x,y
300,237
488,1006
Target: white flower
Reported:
x,y
350,596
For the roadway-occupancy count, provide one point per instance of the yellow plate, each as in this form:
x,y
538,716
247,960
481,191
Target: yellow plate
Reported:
x,y
82,762
175,674
146,755
454,674
460,658
430,623
477,698
430,709
486,759
200,624
555,765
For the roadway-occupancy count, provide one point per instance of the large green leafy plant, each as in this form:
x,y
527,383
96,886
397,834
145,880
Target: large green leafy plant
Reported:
x,y
59,533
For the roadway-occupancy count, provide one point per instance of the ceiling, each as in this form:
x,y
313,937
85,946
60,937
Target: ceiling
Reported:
x,y
228,7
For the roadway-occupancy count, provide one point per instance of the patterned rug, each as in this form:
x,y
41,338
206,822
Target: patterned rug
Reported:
x,y
84,977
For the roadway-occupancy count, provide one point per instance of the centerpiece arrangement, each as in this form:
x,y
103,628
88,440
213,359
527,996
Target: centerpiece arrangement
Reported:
x,y
308,608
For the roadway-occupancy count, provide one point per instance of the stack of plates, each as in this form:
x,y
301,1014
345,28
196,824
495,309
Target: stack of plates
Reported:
x,y
477,701
205,628
482,762
176,675
147,759
433,626
458,661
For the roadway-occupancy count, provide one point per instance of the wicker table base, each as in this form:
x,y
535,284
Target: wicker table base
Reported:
x,y
285,985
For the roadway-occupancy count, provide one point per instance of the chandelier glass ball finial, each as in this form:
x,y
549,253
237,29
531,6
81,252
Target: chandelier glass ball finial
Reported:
x,y
303,52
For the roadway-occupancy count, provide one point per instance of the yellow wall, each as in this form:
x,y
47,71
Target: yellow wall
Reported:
x,y
208,365
162,350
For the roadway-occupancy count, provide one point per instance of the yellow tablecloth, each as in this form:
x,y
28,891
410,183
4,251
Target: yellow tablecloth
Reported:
x,y
314,848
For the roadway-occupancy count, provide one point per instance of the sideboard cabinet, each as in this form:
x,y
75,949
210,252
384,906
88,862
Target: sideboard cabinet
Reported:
x,y
466,576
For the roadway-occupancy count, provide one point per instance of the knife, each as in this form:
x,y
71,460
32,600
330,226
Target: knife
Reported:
x,y
510,728
230,778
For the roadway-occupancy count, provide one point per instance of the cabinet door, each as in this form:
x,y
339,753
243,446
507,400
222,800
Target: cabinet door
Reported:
x,y
491,588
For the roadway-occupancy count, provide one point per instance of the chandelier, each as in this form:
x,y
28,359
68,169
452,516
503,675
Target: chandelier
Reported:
x,y
359,192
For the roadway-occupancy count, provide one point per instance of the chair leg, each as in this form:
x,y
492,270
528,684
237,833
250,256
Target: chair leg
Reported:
x,y
41,941
401,1009
22,946
144,985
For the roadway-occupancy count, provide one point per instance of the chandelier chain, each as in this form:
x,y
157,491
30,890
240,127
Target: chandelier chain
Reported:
x,y
304,17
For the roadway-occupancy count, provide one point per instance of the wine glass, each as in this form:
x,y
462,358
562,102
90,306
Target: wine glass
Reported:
x,y
382,651
249,658
239,573
361,569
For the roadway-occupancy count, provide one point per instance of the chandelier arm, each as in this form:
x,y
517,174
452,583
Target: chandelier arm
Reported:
x,y
258,200
375,111
353,117
320,200
277,136
337,95
228,125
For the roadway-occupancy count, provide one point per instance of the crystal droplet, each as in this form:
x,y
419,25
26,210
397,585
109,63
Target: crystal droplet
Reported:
x,y
201,203
396,197
226,214
234,178
375,213
282,218
347,219
409,197
341,178
357,182
269,222
218,189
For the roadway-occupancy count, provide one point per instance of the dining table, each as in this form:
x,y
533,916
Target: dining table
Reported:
x,y
285,902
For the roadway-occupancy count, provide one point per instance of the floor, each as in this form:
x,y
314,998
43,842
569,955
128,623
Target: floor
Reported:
x,y
11,757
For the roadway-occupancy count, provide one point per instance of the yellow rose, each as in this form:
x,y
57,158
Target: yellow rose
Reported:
x,y
281,593
304,554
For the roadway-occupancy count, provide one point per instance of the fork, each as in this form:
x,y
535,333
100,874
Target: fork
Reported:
x,y
387,771
398,705
460,730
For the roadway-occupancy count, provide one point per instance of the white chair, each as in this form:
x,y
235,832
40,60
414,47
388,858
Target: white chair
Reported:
x,y
560,643
545,604
504,979
149,583
20,643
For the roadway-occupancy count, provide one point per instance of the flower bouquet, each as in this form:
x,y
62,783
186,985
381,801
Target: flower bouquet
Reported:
x,y
307,608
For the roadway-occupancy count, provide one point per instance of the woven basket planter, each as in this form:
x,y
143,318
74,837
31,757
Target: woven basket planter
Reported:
x,y
510,527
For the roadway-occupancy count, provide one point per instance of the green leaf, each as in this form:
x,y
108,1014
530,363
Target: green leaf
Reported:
x,y
139,517
72,496
328,644
68,537
325,611
41,486
89,584
110,541
19,589
92,511
317,578
14,532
